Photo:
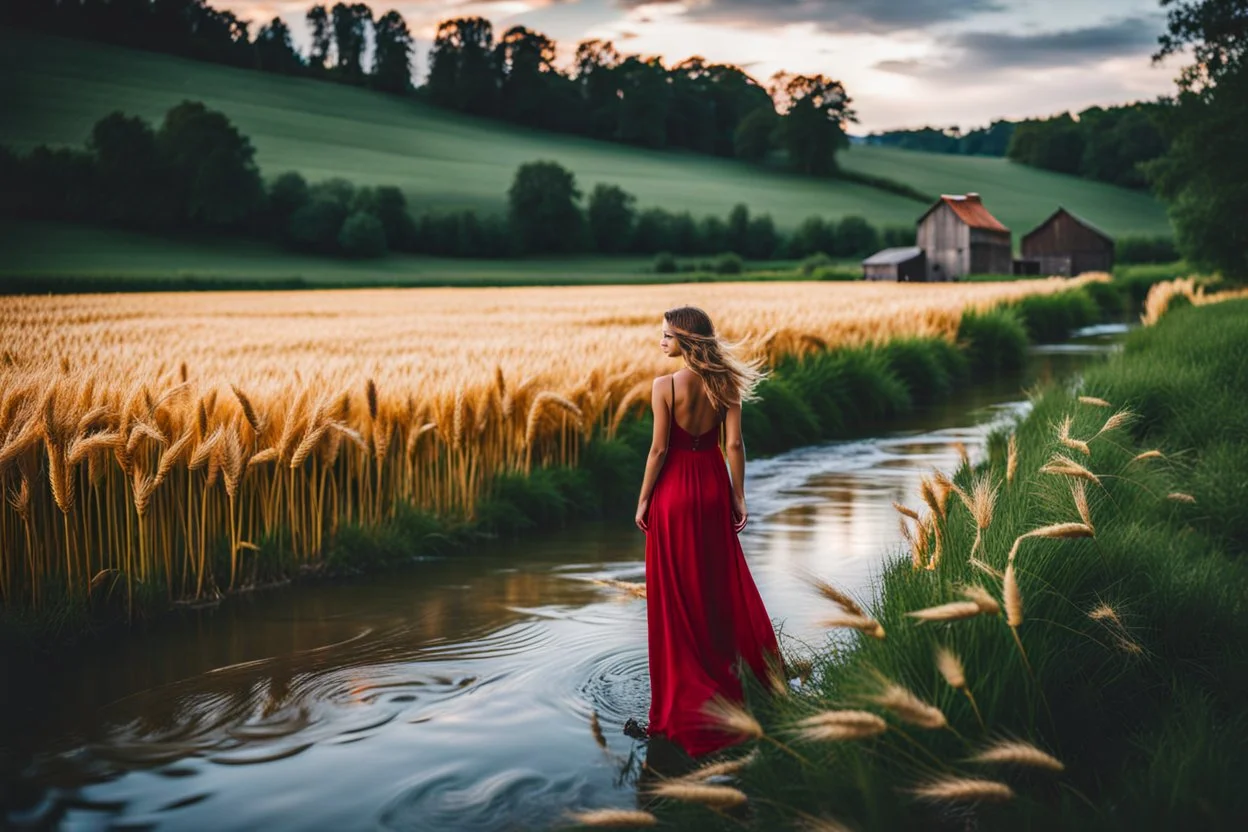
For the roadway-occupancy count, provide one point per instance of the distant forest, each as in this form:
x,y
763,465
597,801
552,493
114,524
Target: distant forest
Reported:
x,y
1108,144
695,105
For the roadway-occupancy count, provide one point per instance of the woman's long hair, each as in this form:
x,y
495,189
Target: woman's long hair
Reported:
x,y
728,379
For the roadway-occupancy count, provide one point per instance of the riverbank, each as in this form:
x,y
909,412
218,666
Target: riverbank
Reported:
x,y
1095,679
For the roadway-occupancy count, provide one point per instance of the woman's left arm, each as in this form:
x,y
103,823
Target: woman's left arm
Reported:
x,y
658,451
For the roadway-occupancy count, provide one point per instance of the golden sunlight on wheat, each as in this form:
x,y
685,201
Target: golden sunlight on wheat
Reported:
x,y
146,437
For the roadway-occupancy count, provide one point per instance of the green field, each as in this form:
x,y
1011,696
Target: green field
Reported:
x,y
52,90
107,260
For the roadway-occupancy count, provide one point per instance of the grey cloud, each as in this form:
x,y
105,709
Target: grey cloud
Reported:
x,y
975,53
874,16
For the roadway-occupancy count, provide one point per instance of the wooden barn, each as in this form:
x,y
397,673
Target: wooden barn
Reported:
x,y
960,237
904,264
1068,245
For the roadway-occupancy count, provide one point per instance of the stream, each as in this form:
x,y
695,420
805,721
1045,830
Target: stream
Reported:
x,y
458,694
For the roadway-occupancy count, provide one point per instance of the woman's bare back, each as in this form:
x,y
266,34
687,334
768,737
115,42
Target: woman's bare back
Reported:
x,y
693,411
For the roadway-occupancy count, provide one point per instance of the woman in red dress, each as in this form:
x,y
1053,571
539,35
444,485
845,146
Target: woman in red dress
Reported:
x,y
703,610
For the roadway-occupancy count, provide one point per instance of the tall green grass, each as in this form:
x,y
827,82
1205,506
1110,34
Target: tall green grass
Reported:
x,y
1136,639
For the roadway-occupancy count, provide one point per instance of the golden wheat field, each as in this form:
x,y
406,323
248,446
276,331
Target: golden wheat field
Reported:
x,y
146,437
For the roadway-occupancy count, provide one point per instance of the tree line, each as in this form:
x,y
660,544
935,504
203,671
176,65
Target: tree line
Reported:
x,y
196,172
1108,144
694,105
993,140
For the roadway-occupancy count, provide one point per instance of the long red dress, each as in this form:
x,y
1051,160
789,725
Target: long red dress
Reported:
x,y
703,609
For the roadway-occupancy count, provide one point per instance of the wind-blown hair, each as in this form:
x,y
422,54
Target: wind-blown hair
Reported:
x,y
728,379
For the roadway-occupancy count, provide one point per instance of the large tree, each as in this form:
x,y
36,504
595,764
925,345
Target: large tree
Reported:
x,y
645,96
322,37
543,208
1203,176
462,72
816,113
351,25
597,82
212,167
130,177
392,54
274,50
525,61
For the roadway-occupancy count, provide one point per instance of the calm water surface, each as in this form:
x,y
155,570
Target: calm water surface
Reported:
x,y
457,694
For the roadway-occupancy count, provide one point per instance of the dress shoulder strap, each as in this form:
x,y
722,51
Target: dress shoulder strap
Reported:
x,y
671,410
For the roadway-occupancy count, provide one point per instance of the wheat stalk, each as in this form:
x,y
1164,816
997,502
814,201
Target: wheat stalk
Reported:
x,y
953,611
837,596
732,718
719,769
614,818
963,790
854,622
982,598
909,708
1064,437
714,796
1065,466
1016,752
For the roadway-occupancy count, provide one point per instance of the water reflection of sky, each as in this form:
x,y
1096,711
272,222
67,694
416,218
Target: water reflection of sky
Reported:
x,y
455,695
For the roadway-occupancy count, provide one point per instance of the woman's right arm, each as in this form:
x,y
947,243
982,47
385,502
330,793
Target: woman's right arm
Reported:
x,y
658,451
735,451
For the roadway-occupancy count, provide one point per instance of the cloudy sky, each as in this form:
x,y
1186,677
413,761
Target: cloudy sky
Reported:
x,y
905,63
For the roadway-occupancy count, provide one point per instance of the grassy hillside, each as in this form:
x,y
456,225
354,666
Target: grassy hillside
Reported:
x,y
52,90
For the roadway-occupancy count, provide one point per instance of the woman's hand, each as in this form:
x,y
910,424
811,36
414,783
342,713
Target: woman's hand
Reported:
x,y
739,515
642,519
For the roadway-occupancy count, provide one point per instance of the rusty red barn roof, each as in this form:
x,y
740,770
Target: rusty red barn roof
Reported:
x,y
970,209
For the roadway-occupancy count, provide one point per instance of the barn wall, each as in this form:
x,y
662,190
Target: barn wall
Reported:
x,y
882,272
990,253
1067,247
946,241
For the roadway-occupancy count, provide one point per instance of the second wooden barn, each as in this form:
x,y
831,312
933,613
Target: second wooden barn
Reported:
x,y
1069,245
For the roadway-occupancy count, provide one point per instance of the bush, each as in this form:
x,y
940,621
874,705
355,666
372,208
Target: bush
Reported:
x,y
842,273
610,214
316,224
995,340
653,232
812,236
1109,298
728,263
762,240
665,263
1051,318
1142,249
898,236
288,193
712,235
814,262
362,236
929,367
855,237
